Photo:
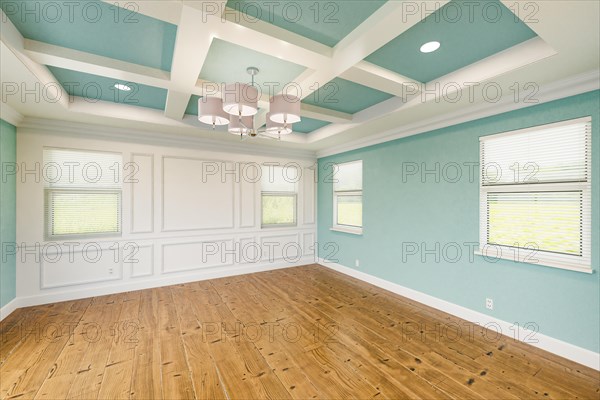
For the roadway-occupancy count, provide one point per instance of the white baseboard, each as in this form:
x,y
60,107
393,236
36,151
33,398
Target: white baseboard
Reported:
x,y
558,347
9,308
164,280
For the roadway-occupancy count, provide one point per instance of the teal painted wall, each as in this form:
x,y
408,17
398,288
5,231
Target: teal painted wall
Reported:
x,y
8,212
564,304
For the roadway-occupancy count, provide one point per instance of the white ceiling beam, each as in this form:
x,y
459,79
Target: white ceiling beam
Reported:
x,y
14,41
229,25
324,114
240,29
62,57
243,30
379,78
480,72
194,36
164,10
176,104
518,56
385,24
47,54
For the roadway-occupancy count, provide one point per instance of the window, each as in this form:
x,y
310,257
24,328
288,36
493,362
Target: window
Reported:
x,y
347,197
82,193
279,195
535,201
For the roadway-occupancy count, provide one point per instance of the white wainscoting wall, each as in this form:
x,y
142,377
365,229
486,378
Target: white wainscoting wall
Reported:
x,y
177,225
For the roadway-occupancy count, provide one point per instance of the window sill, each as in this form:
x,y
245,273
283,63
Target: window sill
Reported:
x,y
84,237
540,261
275,226
344,229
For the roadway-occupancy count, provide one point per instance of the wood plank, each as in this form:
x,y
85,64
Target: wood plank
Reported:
x,y
116,382
418,387
100,321
146,380
176,380
262,333
204,373
21,324
478,346
234,358
26,368
199,340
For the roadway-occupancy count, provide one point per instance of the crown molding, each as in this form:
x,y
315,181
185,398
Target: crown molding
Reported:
x,y
572,86
10,115
565,88
101,132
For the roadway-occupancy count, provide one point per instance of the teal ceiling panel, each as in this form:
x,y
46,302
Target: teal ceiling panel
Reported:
x,y
227,63
345,96
468,31
192,107
307,125
324,21
96,27
94,88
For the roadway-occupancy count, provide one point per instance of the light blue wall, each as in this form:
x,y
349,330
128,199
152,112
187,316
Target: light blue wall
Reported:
x,y
8,210
564,304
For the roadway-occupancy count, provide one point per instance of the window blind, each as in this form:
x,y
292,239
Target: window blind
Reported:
x,y
279,179
279,197
75,212
83,193
548,155
348,177
536,192
64,168
347,196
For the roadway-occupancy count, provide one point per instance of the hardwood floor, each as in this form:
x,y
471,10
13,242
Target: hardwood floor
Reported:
x,y
304,332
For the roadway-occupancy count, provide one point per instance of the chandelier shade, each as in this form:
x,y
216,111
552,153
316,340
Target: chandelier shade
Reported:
x,y
210,111
241,127
285,109
240,99
275,128
239,104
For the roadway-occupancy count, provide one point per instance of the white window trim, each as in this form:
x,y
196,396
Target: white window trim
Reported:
x,y
562,261
281,194
347,229
356,230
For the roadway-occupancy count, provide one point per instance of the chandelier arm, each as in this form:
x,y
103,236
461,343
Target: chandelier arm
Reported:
x,y
264,135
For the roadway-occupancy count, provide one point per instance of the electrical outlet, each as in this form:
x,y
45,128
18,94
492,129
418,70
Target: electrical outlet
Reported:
x,y
489,304
110,271
357,263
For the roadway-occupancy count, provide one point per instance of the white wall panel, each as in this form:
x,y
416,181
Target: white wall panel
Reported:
x,y
139,259
248,196
309,186
277,247
249,250
170,214
178,257
194,197
79,264
308,243
142,192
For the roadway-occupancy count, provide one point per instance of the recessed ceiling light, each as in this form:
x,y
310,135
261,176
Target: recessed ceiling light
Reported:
x,y
124,88
430,47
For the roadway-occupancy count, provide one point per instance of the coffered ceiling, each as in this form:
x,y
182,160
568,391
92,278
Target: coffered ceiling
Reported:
x,y
357,64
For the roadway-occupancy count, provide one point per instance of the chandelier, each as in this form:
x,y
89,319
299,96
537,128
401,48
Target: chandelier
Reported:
x,y
239,105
